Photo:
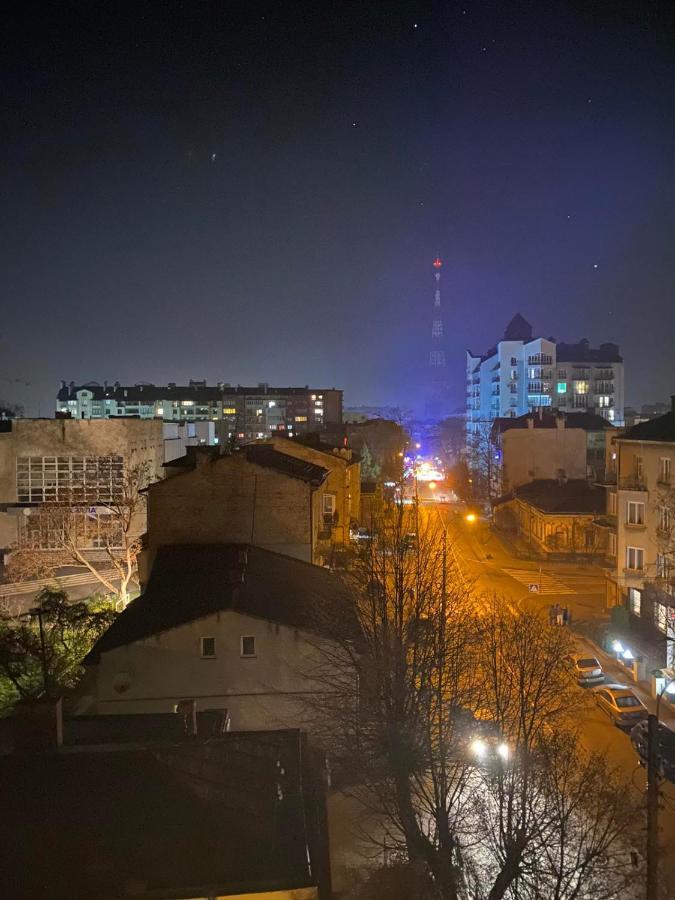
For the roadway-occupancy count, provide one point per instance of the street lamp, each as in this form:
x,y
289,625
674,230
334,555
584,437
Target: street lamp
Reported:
x,y
470,517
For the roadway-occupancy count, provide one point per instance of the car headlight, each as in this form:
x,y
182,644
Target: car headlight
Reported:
x,y
478,748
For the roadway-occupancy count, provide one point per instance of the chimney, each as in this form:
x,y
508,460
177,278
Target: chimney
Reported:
x,y
38,725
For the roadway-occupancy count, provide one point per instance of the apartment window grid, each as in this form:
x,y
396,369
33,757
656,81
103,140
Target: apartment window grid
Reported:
x,y
635,513
665,520
207,647
247,646
69,479
638,467
635,557
612,544
612,503
664,470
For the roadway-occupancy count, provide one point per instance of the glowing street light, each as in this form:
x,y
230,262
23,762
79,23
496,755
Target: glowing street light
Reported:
x,y
470,517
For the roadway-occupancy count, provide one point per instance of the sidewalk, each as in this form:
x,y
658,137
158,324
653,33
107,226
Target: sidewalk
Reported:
x,y
618,672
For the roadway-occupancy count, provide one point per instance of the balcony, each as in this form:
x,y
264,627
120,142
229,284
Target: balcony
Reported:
x,y
632,483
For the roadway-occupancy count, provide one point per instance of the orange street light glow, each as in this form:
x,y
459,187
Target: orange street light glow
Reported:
x,y
470,517
432,485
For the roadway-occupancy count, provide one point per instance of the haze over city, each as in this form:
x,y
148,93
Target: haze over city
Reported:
x,y
255,191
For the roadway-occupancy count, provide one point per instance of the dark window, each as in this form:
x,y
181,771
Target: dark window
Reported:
x,y
208,647
248,645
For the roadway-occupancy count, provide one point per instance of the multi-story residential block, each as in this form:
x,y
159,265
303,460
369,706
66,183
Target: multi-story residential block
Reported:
x,y
547,444
243,413
523,373
640,519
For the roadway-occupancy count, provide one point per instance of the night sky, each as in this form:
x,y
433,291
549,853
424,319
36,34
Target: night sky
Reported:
x,y
255,191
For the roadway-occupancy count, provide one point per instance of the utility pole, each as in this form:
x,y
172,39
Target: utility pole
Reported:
x,y
652,807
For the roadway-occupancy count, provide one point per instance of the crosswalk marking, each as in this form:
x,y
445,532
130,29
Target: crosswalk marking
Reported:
x,y
546,584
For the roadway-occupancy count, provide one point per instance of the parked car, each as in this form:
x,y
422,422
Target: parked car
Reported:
x,y
665,753
587,670
360,534
620,704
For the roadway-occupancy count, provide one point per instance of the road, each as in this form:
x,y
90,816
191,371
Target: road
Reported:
x,y
485,560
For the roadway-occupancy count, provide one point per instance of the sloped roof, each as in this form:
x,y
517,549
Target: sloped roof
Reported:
x,y
660,429
266,455
518,329
191,581
258,454
569,497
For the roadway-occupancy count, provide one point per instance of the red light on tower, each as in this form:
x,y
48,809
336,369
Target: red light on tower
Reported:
x,y
437,263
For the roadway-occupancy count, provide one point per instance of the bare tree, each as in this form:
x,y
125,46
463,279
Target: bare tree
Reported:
x,y
432,665
68,533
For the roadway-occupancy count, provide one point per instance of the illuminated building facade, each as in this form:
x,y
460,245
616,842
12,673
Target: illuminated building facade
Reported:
x,y
523,373
241,413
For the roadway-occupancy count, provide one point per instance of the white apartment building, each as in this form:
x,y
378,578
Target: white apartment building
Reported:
x,y
641,517
523,373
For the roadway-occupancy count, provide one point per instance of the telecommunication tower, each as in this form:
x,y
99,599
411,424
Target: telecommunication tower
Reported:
x,y
437,396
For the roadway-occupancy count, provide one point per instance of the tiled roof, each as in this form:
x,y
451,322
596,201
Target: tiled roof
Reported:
x,y
266,455
573,496
189,582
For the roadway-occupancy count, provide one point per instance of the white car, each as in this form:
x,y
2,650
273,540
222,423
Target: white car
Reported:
x,y
587,670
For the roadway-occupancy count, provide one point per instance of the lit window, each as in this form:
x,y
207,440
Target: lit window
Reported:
x,y
188,402
248,645
160,411
610,415
328,504
208,647
229,411
301,418
272,403
635,599
562,387
580,387
313,396
635,558
258,412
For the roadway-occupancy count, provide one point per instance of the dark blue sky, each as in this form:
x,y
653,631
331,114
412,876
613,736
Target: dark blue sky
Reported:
x,y
527,143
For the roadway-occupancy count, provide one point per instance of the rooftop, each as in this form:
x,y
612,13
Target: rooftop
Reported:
x,y
550,419
582,352
661,429
115,822
565,497
189,582
196,390
259,454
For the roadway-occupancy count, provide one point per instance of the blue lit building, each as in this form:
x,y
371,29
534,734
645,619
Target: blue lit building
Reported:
x,y
522,373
